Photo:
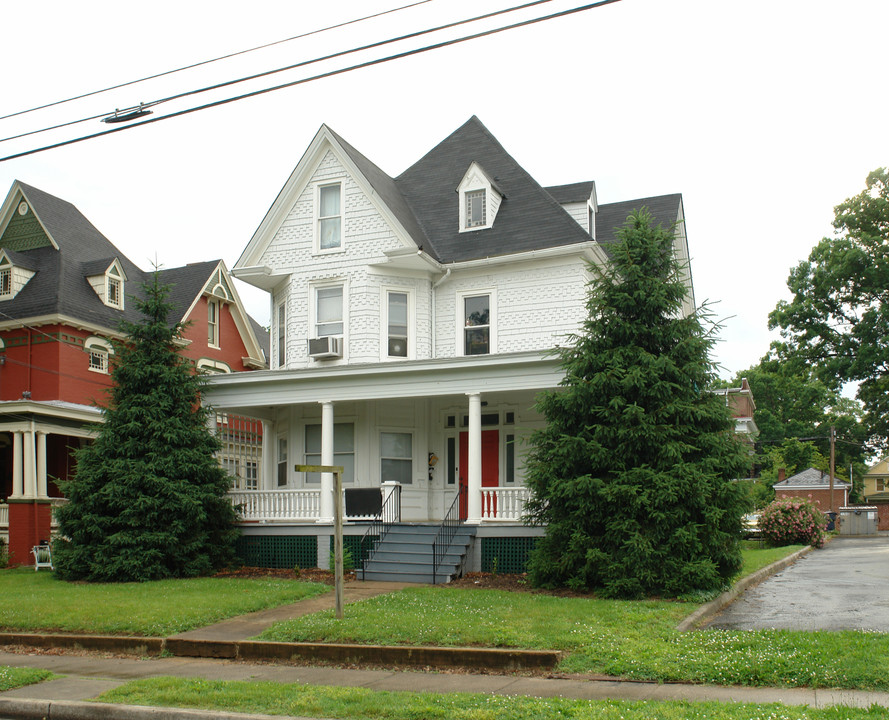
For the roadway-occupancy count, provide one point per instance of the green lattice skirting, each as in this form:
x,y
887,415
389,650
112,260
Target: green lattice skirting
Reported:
x,y
278,552
506,555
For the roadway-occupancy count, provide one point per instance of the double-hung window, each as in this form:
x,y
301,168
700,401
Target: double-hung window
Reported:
x,y
213,323
476,324
282,460
330,218
343,450
282,334
5,281
397,310
396,457
328,311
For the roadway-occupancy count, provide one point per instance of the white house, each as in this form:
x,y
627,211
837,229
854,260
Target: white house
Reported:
x,y
412,323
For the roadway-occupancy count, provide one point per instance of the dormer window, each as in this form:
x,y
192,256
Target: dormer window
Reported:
x,y
114,279
480,199
12,277
475,208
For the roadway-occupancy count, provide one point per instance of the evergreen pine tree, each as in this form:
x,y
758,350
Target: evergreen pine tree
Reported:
x,y
148,498
632,474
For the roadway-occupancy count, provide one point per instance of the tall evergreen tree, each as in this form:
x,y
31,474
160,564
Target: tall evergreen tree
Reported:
x,y
148,499
632,474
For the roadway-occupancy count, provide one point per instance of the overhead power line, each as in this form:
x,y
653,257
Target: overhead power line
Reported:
x,y
218,86
208,62
332,73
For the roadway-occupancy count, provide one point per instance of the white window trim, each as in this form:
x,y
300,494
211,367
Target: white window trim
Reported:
x,y
381,457
339,420
460,296
314,287
316,216
411,322
477,180
215,341
95,346
213,366
281,334
118,277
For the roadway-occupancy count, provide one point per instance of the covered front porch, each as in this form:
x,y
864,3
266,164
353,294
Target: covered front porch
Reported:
x,y
410,435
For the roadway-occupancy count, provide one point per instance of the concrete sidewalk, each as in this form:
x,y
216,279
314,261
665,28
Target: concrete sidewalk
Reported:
x,y
86,677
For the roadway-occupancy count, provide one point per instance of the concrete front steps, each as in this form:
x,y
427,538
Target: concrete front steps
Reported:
x,y
405,555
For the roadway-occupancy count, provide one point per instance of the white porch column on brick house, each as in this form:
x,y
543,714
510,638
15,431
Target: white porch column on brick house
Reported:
x,y
18,486
326,459
42,490
474,480
29,469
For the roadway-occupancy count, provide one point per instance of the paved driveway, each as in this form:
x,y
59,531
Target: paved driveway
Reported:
x,y
843,586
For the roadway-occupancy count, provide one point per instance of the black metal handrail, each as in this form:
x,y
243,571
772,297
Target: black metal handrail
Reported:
x,y
390,514
446,532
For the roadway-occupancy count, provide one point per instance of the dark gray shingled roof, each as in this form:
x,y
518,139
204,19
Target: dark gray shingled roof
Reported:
x,y
811,478
529,218
612,216
60,285
573,193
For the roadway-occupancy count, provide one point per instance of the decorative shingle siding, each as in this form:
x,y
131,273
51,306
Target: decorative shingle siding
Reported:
x,y
24,233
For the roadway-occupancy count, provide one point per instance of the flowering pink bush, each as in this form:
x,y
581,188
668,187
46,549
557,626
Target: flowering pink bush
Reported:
x,y
793,520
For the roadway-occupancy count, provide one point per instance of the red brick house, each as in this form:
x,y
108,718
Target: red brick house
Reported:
x,y
64,290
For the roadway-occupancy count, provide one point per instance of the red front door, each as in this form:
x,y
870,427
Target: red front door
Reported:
x,y
490,468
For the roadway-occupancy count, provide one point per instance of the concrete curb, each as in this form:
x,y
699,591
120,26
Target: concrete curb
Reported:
x,y
24,709
418,656
706,612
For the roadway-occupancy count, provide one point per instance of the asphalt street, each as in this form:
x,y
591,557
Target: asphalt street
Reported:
x,y
842,586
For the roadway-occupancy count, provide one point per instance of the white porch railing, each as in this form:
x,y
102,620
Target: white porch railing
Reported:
x,y
503,503
264,505
56,502
4,516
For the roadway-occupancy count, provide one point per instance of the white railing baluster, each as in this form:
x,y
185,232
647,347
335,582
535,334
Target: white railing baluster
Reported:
x,y
267,505
504,504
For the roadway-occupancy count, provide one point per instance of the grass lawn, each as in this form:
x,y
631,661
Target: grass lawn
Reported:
x,y
38,601
11,677
632,639
362,704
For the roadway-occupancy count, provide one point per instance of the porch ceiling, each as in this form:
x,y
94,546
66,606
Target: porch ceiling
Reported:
x,y
376,381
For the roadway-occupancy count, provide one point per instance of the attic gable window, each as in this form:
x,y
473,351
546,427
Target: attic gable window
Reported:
x,y
5,282
330,218
12,278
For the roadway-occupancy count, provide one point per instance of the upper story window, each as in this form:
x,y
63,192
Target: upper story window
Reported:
x,y
480,199
5,281
213,310
397,324
476,324
475,208
329,311
282,334
114,287
99,350
330,218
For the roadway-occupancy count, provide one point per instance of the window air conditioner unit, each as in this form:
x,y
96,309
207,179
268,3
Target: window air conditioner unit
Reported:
x,y
325,347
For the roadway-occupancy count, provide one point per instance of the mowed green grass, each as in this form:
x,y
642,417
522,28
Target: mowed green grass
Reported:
x,y
12,677
35,601
350,703
632,639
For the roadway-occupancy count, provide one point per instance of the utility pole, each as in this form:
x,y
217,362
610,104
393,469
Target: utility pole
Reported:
x,y
833,438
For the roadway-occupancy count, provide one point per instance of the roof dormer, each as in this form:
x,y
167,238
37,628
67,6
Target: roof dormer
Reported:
x,y
480,199
109,285
13,275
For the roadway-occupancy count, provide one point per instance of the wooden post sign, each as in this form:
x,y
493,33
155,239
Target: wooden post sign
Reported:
x,y
337,471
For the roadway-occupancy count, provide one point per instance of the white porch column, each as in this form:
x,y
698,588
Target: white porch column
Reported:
x,y
326,459
29,470
42,490
267,469
18,487
474,500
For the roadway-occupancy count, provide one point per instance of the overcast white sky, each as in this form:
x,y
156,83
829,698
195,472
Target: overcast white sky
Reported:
x,y
763,114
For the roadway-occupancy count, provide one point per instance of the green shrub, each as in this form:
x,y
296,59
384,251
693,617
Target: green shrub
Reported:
x,y
348,561
793,520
